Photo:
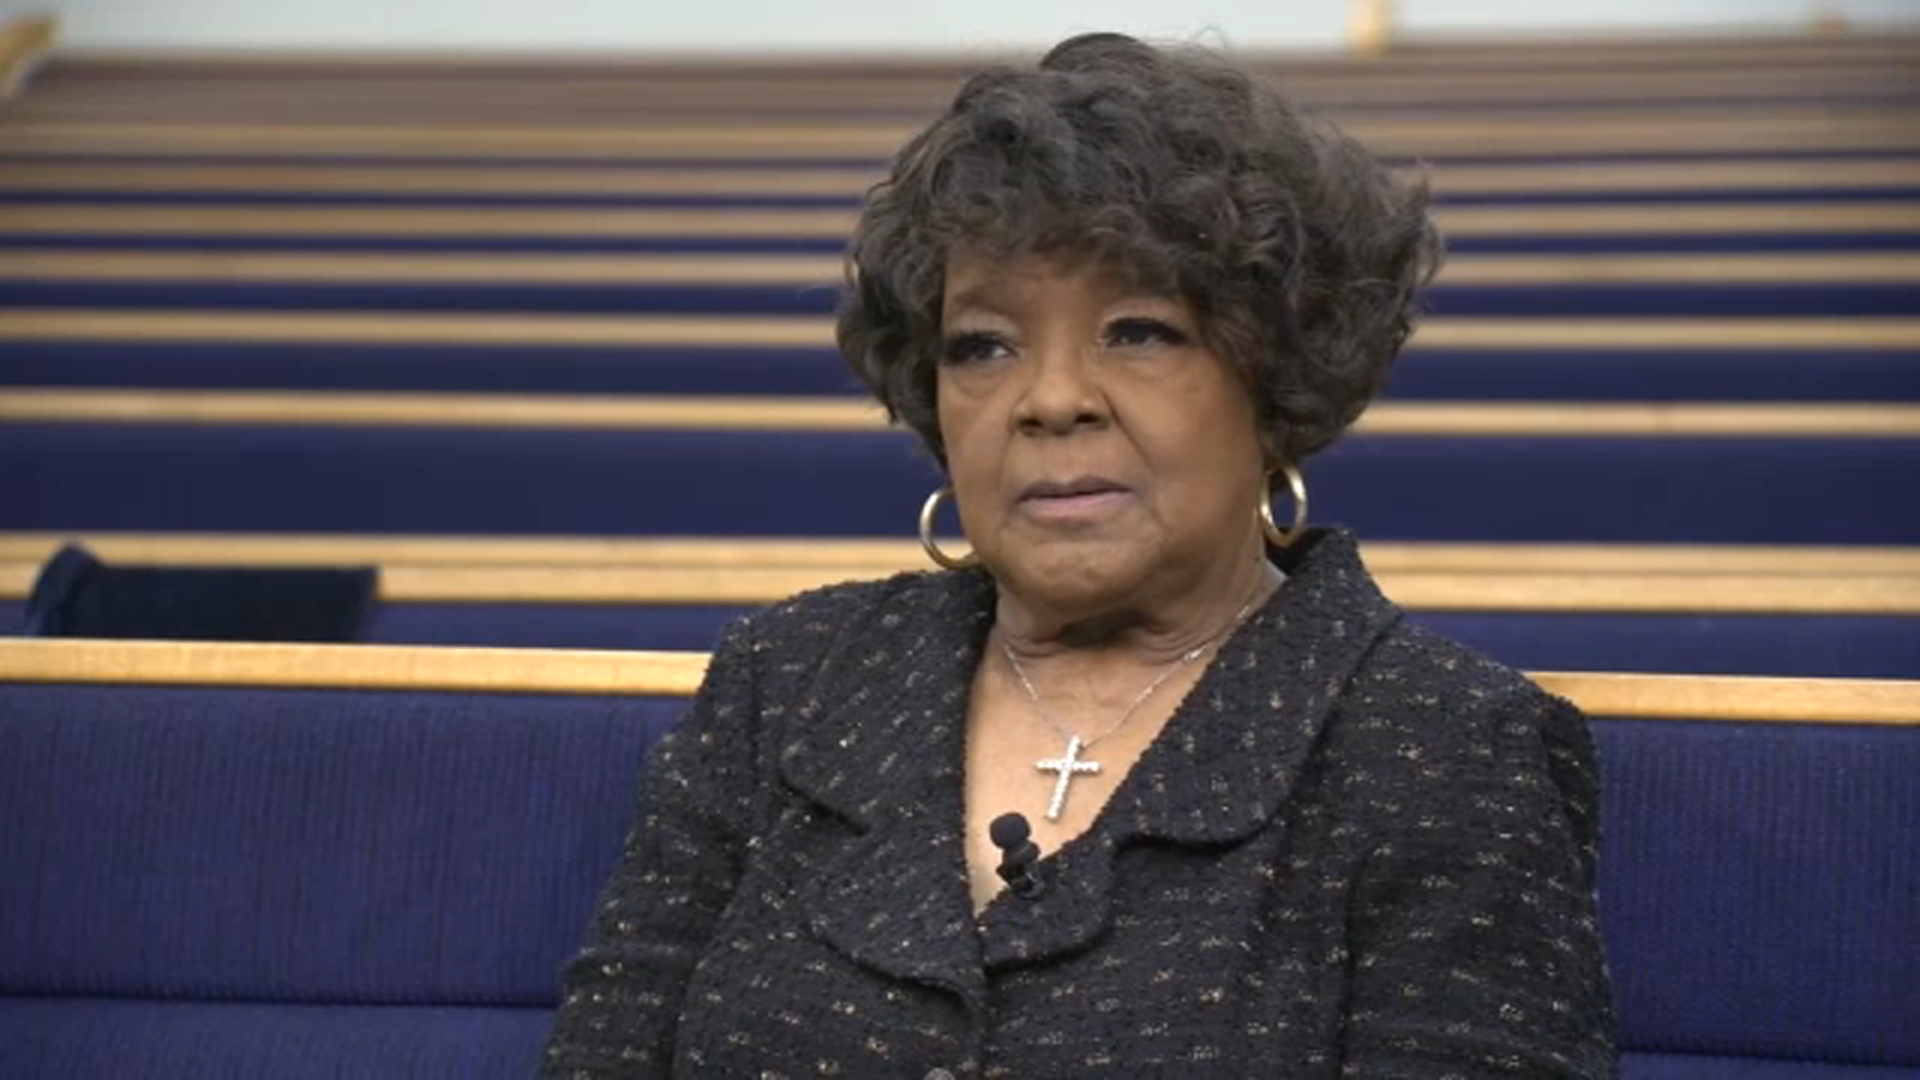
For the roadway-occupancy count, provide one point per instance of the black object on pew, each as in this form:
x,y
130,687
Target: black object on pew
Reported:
x,y
77,595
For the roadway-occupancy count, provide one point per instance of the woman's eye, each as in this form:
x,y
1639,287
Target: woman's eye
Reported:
x,y
1142,331
969,348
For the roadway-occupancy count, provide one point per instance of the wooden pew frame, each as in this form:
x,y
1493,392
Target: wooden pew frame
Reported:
x,y
1563,592
1493,577
24,43
675,674
636,412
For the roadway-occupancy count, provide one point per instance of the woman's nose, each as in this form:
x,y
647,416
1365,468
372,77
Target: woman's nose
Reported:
x,y
1063,392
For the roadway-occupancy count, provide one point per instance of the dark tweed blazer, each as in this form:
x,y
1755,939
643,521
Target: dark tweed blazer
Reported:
x,y
1356,849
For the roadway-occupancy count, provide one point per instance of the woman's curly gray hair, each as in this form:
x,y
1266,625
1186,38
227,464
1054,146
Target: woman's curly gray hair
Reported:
x,y
1299,252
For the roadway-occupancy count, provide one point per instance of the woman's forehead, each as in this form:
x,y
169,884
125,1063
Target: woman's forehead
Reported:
x,y
977,277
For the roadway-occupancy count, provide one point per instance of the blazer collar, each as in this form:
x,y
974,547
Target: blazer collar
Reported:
x,y
881,742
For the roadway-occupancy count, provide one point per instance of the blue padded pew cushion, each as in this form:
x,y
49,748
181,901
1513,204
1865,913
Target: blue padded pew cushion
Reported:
x,y
461,368
782,483
1832,646
307,845
1698,300
1850,646
1635,1066
1422,374
1759,882
1837,646
1760,888
1726,375
87,1039
554,626
159,1040
28,193
1510,244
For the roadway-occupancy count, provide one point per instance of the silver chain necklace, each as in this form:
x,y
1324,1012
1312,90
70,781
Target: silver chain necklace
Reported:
x,y
1069,764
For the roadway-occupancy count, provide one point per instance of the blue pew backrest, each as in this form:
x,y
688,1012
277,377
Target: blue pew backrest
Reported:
x,y
1760,888
385,877
307,845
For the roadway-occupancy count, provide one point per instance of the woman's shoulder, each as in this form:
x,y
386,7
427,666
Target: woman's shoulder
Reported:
x,y
771,661
1426,662
803,628
1448,732
1442,701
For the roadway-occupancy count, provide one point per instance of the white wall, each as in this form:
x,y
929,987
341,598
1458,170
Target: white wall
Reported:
x,y
857,25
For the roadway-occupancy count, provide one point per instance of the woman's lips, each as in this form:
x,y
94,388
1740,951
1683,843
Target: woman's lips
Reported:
x,y
1074,501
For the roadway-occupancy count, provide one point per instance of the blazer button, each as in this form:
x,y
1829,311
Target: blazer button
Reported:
x,y
939,1074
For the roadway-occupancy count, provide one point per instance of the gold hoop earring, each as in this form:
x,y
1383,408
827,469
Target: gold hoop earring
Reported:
x,y
927,512
1298,485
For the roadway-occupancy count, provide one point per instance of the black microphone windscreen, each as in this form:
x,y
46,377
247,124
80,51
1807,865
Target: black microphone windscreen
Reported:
x,y
1009,831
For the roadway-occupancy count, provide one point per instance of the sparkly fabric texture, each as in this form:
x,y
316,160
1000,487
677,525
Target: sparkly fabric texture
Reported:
x,y
1356,849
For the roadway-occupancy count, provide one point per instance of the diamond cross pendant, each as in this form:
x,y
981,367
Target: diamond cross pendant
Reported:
x,y
1065,767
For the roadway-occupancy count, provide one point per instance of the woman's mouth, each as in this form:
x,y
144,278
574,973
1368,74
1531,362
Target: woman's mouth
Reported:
x,y
1077,499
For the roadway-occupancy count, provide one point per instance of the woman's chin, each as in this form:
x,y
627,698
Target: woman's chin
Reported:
x,y
1073,571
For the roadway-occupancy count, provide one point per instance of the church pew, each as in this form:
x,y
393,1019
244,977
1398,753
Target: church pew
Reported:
x,y
1552,372
1705,299
1503,132
112,89
1803,645
373,861
561,226
1794,177
1805,612
706,553
442,464
691,330
1471,286
1833,233
673,351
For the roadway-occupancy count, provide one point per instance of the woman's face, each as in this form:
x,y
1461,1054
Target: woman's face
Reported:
x,y
1100,454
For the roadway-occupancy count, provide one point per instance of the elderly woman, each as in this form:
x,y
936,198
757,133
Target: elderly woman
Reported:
x,y
1274,829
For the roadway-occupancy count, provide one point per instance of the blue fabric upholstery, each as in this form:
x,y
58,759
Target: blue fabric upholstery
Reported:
x,y
71,1039
27,193
656,245
493,368
1486,244
323,479
1467,301
1698,300
1745,243
96,1039
1760,888
1701,1067
1839,646
293,845
1655,375
1886,647
1701,195
554,626
768,300
199,881
1420,375
1849,646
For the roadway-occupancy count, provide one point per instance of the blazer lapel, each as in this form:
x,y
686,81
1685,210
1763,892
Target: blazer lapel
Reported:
x,y
1229,757
879,741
